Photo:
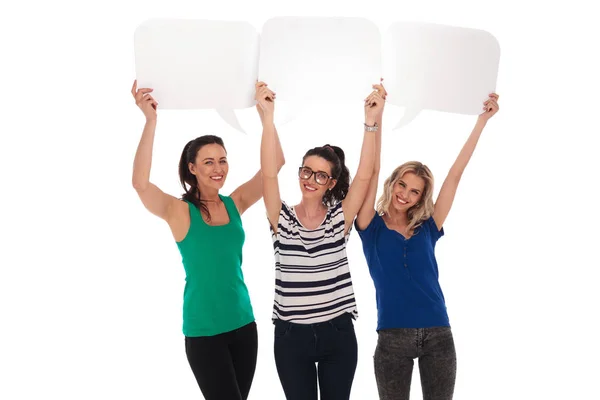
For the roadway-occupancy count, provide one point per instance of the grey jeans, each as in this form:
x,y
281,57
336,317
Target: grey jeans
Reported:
x,y
394,355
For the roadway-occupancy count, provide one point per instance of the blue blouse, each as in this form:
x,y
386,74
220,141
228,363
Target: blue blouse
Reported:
x,y
405,274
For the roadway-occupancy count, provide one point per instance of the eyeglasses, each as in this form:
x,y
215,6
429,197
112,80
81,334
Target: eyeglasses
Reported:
x,y
320,177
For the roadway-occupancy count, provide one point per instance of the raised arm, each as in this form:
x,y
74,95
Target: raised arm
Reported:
x,y
445,198
268,159
251,191
154,199
374,104
367,210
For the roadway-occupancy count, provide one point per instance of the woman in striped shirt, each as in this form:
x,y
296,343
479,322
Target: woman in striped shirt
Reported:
x,y
314,301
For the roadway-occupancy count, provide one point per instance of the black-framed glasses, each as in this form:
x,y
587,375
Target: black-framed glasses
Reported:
x,y
320,177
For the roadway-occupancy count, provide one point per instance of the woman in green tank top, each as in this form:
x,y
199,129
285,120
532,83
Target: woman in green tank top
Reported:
x,y
218,322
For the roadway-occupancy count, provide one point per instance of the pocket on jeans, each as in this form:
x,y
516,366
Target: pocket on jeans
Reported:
x,y
344,325
282,329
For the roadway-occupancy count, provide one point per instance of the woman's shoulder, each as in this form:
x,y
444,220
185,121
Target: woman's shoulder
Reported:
x,y
335,209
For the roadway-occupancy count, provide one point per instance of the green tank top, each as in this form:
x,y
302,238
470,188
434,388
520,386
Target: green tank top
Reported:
x,y
215,298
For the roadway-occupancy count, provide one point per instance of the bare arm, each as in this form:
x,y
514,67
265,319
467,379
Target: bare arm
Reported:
x,y
251,191
360,185
154,199
268,164
447,193
271,155
367,210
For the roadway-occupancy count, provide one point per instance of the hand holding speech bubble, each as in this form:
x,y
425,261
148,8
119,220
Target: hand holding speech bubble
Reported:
x,y
198,64
439,67
301,57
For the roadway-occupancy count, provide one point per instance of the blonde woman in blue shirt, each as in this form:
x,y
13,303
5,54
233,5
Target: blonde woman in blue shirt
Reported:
x,y
399,237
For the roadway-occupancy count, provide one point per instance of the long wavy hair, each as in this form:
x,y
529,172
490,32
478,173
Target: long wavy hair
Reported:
x,y
424,208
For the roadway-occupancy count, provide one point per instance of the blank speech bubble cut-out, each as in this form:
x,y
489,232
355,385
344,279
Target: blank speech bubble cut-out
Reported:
x,y
198,64
438,67
308,60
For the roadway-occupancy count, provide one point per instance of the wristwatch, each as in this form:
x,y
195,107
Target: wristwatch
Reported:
x,y
373,128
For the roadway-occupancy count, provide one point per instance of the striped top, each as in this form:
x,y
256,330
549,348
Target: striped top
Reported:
x,y
312,278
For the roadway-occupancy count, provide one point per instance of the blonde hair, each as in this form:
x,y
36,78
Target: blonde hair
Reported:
x,y
424,208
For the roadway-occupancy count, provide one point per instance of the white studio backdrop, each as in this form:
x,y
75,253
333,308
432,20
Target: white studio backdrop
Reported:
x,y
91,284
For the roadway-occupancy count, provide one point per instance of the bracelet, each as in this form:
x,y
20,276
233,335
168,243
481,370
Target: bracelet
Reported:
x,y
373,128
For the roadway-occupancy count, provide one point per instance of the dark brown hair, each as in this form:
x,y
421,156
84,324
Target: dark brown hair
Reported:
x,y
336,157
192,194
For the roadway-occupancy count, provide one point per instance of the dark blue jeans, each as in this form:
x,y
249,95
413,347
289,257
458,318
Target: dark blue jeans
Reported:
x,y
326,351
394,355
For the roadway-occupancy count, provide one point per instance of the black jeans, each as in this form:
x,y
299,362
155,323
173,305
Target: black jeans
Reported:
x,y
224,364
332,345
396,349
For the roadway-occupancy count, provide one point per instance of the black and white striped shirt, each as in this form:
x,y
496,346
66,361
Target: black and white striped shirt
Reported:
x,y
312,278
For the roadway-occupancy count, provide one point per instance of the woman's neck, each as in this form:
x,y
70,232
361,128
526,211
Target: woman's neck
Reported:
x,y
397,217
312,208
209,195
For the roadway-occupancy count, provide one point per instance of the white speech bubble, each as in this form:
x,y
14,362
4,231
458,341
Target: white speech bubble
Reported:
x,y
439,67
198,64
319,59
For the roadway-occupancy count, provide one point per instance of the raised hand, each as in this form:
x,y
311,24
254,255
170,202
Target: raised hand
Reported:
x,y
265,100
374,104
145,101
490,107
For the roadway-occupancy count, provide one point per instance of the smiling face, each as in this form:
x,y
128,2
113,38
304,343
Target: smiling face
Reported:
x,y
314,177
210,167
407,191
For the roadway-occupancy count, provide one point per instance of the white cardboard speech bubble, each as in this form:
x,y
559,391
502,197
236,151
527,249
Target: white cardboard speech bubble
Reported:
x,y
198,64
319,59
439,67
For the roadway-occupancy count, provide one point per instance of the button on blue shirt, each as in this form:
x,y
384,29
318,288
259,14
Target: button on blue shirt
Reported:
x,y
405,274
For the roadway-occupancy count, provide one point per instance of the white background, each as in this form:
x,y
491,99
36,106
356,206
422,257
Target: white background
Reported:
x,y
91,284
